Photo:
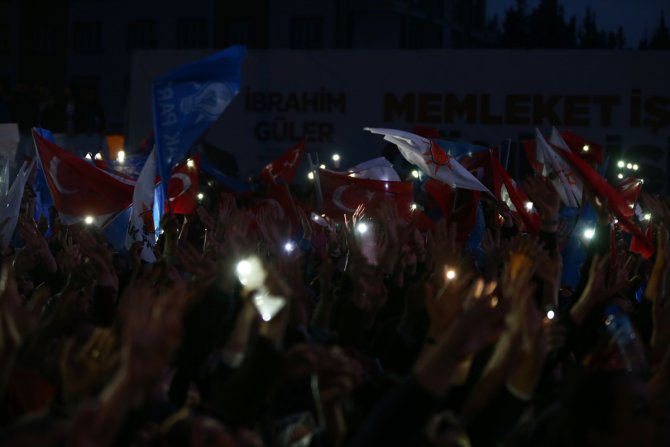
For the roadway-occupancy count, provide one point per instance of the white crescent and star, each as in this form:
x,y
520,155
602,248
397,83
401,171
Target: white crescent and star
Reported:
x,y
53,172
186,184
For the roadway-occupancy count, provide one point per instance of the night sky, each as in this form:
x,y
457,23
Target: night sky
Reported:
x,y
635,16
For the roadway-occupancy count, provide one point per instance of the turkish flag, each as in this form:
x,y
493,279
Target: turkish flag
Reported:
x,y
630,190
184,185
285,166
480,164
342,194
78,188
579,145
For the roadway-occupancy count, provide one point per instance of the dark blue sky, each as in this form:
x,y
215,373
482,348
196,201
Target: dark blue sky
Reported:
x,y
635,16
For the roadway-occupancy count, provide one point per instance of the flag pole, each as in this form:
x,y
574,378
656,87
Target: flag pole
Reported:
x,y
317,182
509,149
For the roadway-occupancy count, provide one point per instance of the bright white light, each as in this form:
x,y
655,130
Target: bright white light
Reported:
x,y
621,163
88,220
415,173
190,163
98,156
586,148
529,206
362,228
450,274
589,233
386,186
629,165
266,317
88,156
289,247
635,167
121,156
310,175
243,268
336,157
200,196
412,206
647,216
322,166
551,314
620,176
251,273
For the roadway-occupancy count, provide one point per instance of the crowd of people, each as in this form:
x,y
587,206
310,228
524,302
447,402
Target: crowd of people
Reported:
x,y
398,338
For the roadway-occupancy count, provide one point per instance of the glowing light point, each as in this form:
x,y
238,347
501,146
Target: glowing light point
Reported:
x,y
621,163
529,206
190,163
88,156
551,314
586,148
200,196
413,207
647,216
98,156
310,175
336,157
362,228
619,176
121,156
289,247
450,274
589,233
635,167
629,165
88,220
415,173
266,317
322,166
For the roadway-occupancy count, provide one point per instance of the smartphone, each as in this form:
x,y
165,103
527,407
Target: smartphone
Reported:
x,y
267,305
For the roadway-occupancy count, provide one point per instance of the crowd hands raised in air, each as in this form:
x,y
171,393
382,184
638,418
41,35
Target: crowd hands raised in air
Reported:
x,y
364,332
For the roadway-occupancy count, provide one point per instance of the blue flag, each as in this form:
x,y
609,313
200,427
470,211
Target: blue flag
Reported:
x,y
187,101
229,183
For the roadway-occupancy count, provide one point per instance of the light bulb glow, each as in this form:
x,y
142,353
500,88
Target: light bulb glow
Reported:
x,y
310,175
589,233
620,176
88,156
121,156
647,216
336,157
529,206
98,156
200,196
362,228
190,163
415,173
289,247
88,220
450,274
551,314
586,148
322,166
413,207
621,163
629,165
250,272
635,167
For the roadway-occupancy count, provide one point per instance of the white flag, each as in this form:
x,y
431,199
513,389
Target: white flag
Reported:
x,y
141,224
566,182
431,159
376,169
10,205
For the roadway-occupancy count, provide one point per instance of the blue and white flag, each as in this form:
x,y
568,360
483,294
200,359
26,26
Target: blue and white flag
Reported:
x,y
187,101
460,149
141,224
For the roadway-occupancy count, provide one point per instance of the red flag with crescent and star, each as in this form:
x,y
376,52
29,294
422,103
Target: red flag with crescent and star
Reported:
x,y
342,194
285,166
184,185
79,188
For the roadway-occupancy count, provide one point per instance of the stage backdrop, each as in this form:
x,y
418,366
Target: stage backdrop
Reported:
x,y
618,98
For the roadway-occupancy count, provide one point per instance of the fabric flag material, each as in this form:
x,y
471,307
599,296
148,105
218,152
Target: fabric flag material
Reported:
x,y
285,166
184,185
10,206
9,140
376,169
568,185
460,149
228,183
591,151
79,189
187,101
630,189
606,193
431,159
342,194
141,223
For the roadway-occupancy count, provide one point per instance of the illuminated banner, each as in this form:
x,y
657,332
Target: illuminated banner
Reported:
x,y
618,98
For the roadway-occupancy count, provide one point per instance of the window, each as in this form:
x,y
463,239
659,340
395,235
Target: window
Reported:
x,y
141,34
192,33
306,32
87,37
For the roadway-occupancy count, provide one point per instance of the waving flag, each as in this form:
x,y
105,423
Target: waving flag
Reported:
x,y
343,193
183,186
141,223
578,145
285,166
187,101
568,185
431,159
460,149
229,184
376,169
10,205
80,189
630,189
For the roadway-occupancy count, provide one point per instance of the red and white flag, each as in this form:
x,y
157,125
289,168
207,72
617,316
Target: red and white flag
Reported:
x,y
342,194
285,166
568,185
80,189
184,185
376,169
433,161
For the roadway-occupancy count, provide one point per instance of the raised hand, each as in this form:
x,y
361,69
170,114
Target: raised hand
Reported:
x,y
36,243
544,196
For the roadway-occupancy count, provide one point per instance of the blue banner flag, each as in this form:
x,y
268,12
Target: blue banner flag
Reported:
x,y
187,101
